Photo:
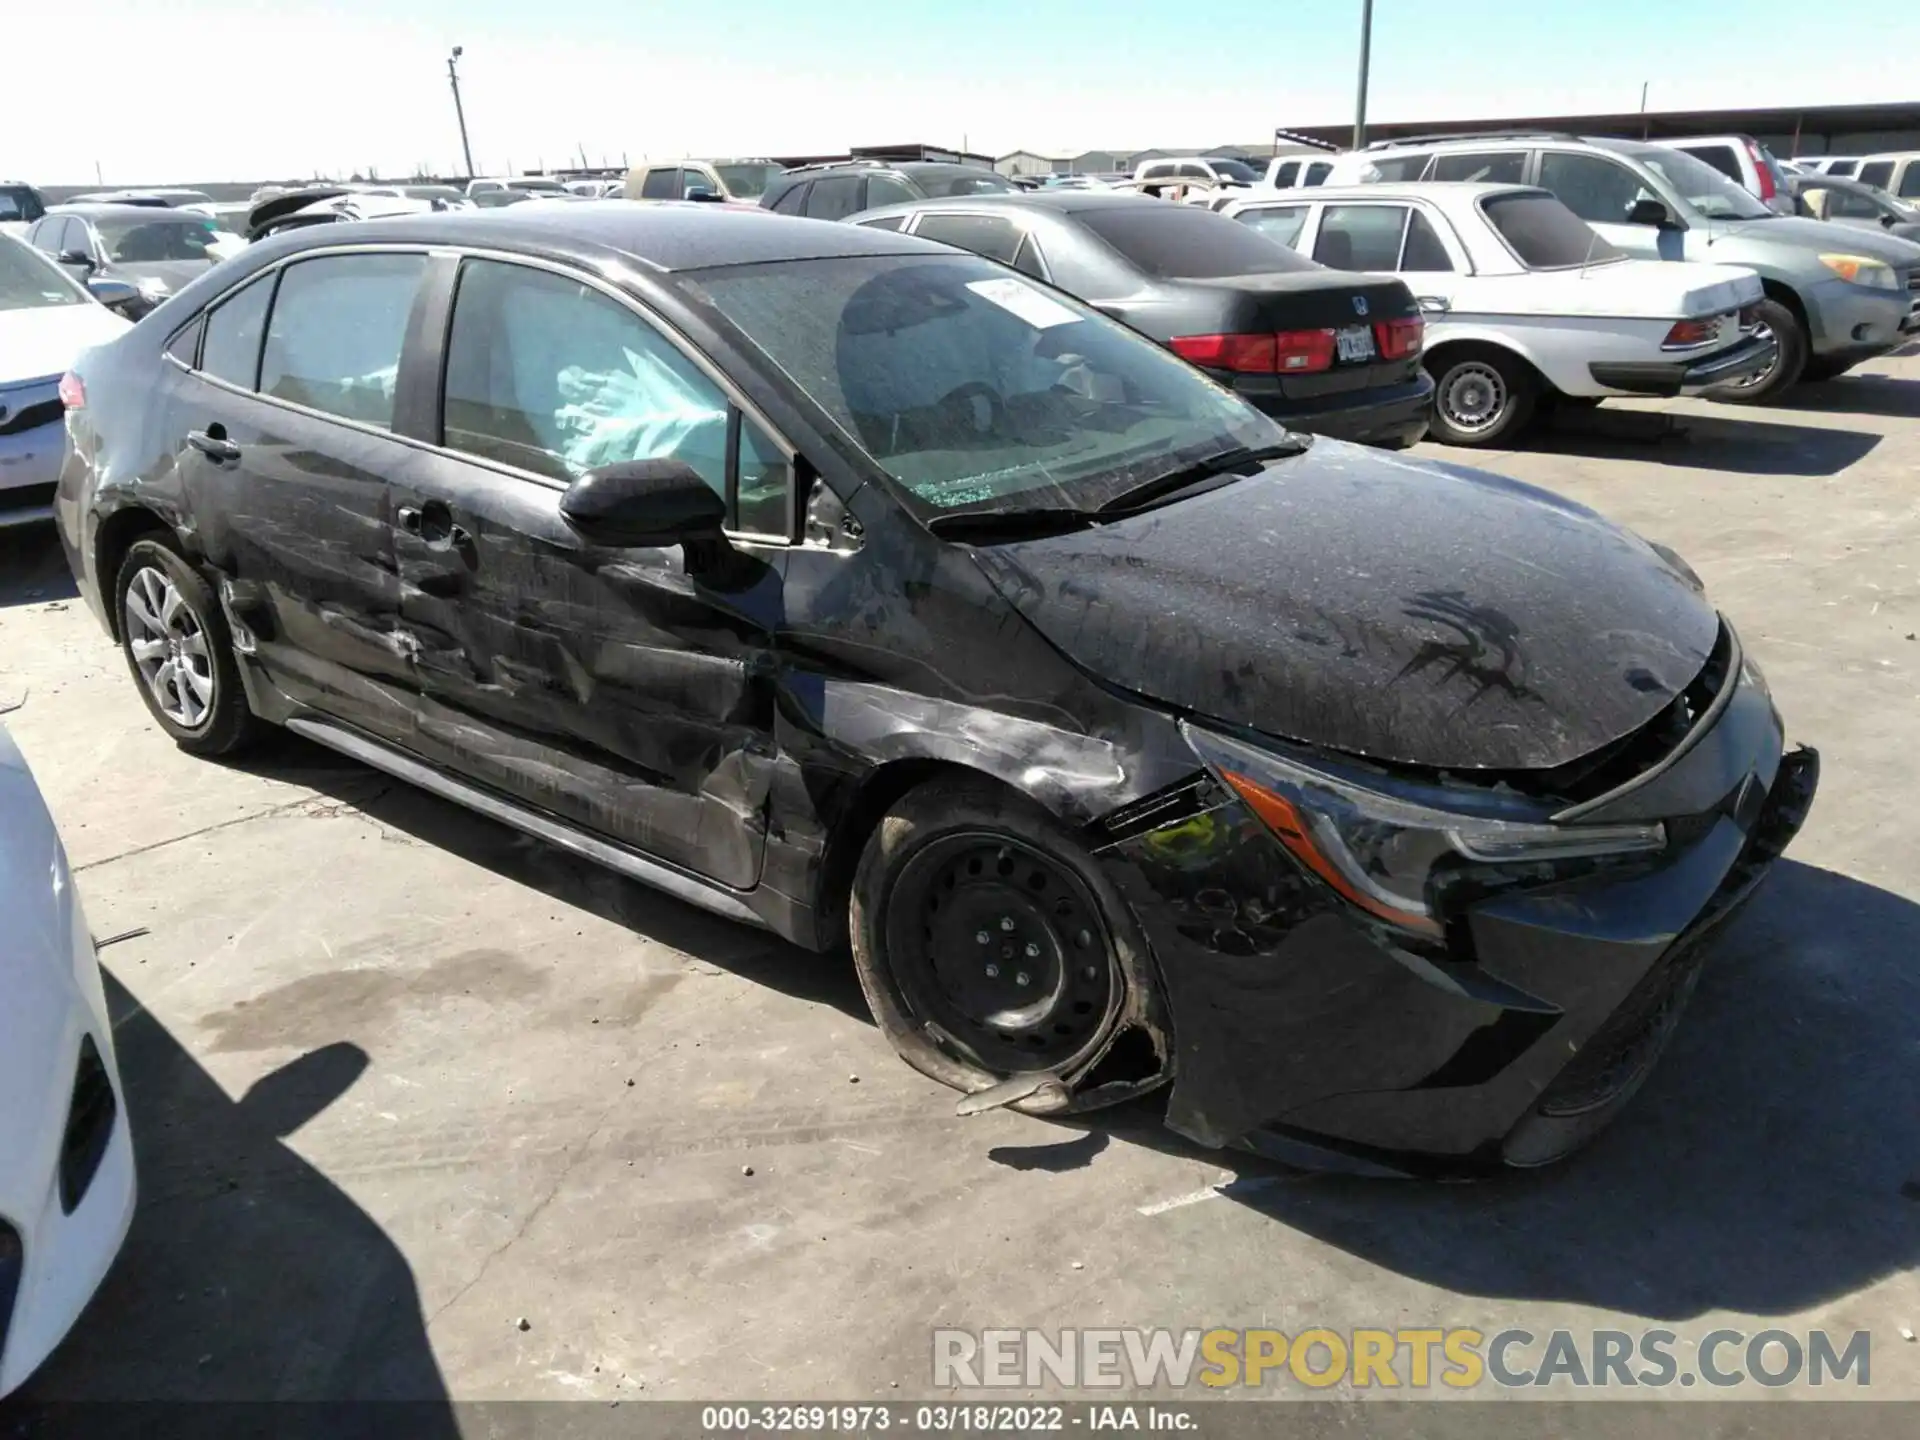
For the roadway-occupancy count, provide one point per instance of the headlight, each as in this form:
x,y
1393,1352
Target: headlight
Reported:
x,y
1381,852
1862,271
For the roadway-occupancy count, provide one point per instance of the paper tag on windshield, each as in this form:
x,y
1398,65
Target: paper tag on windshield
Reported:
x,y
1017,297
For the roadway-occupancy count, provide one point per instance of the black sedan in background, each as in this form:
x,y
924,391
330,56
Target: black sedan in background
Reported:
x,y
1320,350
860,588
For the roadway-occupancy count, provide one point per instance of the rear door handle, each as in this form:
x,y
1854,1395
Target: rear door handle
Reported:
x,y
216,447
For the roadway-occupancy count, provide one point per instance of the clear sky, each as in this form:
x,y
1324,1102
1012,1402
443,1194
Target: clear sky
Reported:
x,y
158,90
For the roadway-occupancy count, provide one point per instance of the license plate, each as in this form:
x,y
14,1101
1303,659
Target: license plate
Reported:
x,y
1354,343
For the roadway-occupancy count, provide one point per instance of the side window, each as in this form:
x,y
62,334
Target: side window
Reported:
x,y
334,337
1277,222
1503,167
1910,181
885,222
549,375
993,236
691,180
1720,157
887,190
1395,169
1844,204
1423,249
835,197
184,346
794,202
1842,168
46,235
1598,190
760,502
1156,171
1317,173
1192,171
1877,173
1360,237
1029,260
231,351
1283,175
659,185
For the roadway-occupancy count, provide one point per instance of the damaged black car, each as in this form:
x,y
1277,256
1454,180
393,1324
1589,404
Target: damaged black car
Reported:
x,y
861,589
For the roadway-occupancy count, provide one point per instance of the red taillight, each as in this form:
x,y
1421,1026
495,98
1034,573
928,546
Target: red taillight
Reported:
x,y
73,394
1762,169
1400,339
1692,332
1291,352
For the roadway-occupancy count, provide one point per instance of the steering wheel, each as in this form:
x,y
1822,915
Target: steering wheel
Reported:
x,y
972,390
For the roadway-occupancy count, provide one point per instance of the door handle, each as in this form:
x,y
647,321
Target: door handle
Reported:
x,y
433,523
214,447
409,516
1435,304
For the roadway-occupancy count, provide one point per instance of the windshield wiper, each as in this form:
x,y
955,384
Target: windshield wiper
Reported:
x,y
1147,492
1010,524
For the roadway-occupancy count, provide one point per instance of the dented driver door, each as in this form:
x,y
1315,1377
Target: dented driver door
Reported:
x,y
628,691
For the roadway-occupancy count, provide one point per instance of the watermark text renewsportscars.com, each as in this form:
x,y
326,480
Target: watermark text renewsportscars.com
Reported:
x,y
1399,1359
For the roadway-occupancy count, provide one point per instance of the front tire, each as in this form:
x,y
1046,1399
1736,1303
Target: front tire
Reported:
x,y
1481,396
179,651
989,944
1788,365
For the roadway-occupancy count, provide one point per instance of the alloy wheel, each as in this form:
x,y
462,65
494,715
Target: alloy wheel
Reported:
x,y
1001,952
1762,331
168,643
1473,397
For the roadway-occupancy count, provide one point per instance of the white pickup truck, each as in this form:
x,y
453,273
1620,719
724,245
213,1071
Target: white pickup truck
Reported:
x,y
1524,301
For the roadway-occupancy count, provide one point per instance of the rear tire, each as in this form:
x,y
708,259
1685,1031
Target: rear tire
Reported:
x,y
989,943
179,650
1481,396
1788,365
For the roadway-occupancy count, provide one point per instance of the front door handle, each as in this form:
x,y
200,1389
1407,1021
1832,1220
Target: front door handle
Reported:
x,y
1435,304
433,523
214,446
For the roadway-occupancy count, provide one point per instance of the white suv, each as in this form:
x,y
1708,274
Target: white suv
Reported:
x,y
1208,169
1743,160
1896,172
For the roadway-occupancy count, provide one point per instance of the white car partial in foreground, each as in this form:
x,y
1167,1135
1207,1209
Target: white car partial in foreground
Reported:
x,y
66,1155
46,319
1524,301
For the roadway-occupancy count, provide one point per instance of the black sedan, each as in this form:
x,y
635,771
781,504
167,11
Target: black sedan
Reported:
x,y
861,589
1320,350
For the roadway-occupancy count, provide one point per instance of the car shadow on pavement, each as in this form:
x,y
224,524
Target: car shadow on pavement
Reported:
x,y
247,1275
1770,1165
1701,442
1858,395
33,568
753,954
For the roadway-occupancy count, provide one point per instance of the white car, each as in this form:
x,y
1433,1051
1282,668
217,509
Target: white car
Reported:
x,y
1743,160
46,319
1524,301
1895,171
66,1154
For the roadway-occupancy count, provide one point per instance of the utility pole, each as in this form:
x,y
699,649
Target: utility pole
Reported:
x,y
459,113
1366,58
1643,109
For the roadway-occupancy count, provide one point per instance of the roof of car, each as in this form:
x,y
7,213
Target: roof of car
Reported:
x,y
1058,198
106,210
1387,189
667,235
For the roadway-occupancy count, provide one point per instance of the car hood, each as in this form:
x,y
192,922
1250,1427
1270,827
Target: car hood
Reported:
x,y
1822,237
1639,289
1416,612
45,340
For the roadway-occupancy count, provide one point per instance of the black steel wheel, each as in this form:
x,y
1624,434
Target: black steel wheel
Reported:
x,y
990,945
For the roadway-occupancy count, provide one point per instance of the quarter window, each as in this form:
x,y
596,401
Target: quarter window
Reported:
x,y
1720,157
334,337
794,201
1502,167
231,351
1397,169
993,236
1360,237
1910,181
548,375
835,197
888,190
1277,222
1424,251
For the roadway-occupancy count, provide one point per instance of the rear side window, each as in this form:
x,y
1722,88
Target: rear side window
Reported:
x,y
888,190
1188,243
794,201
334,337
993,236
1910,181
1283,176
1501,167
1317,173
659,185
1876,173
1393,169
885,222
1028,259
1423,248
1599,191
1720,157
1277,222
1361,237
231,350
1842,168
835,197
1545,234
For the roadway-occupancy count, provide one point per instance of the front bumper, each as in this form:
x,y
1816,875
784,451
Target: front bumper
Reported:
x,y
1396,414
1742,360
1856,322
1305,1032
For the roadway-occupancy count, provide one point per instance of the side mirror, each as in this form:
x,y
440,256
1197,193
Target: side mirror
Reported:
x,y
644,502
1889,220
1649,211
78,258
114,294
